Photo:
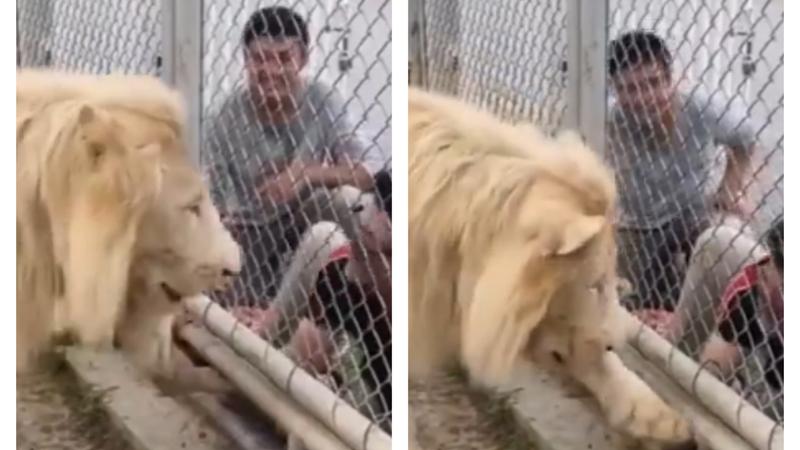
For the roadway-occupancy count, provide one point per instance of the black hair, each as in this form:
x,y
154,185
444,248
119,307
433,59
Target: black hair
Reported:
x,y
383,189
775,242
638,47
275,22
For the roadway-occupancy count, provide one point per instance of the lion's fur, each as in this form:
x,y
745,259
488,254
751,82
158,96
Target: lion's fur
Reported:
x,y
96,156
512,255
482,190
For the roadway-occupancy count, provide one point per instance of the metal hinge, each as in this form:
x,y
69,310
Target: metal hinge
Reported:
x,y
748,64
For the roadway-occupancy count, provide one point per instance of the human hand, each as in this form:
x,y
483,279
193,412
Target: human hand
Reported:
x,y
284,187
278,190
737,205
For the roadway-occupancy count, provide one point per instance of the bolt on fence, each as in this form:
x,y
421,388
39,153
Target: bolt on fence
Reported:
x,y
690,93
289,112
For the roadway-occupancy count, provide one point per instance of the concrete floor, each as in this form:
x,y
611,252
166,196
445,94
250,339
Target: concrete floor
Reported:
x,y
54,412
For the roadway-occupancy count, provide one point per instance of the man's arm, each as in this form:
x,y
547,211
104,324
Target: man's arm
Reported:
x,y
343,172
354,163
734,182
735,132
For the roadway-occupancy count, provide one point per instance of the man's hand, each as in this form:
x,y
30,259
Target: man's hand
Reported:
x,y
733,204
283,187
279,189
731,197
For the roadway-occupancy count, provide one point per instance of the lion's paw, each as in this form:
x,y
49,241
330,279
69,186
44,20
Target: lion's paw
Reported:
x,y
649,418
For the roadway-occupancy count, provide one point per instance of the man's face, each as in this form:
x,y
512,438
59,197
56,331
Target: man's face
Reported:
x,y
644,89
273,67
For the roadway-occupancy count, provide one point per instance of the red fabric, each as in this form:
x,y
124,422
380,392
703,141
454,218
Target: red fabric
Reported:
x,y
750,278
256,319
657,319
745,280
340,253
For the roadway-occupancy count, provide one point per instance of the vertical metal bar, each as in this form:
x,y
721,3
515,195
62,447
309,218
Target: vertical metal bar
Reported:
x,y
593,73
183,62
168,41
587,34
416,42
573,64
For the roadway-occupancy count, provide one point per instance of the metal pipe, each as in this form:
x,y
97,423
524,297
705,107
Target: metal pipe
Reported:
x,y
351,426
755,427
266,397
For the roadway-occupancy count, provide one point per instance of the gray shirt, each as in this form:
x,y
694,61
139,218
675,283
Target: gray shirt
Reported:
x,y
665,175
240,150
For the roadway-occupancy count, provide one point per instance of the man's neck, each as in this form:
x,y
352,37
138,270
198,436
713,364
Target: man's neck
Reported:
x,y
660,123
279,111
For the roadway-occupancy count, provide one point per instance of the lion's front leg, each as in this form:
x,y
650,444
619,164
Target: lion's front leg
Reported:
x,y
162,355
193,378
629,404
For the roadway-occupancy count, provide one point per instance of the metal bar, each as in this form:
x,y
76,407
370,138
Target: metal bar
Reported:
x,y
756,428
168,41
416,43
587,34
351,426
265,396
573,63
183,62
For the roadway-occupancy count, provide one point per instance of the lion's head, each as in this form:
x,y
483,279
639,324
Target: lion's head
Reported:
x,y
553,267
182,247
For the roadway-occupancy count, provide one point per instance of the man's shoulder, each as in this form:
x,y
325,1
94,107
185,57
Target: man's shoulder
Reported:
x,y
236,101
322,93
614,112
703,103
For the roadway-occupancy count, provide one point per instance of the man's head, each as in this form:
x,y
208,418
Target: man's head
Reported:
x,y
275,42
775,243
640,69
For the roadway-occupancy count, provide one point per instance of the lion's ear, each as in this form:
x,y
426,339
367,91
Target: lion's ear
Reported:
x,y
575,235
86,115
91,130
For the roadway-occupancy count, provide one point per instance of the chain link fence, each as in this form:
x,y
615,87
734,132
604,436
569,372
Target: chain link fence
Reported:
x,y
695,227
86,36
296,288
290,104
694,132
487,54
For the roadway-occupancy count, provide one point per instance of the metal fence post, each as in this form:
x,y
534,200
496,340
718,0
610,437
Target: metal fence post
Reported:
x,y
182,61
34,32
416,42
587,36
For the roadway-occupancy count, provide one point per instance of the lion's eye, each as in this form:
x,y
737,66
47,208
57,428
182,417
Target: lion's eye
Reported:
x,y
596,288
358,208
194,209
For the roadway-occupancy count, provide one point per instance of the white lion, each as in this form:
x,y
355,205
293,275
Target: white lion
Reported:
x,y
512,255
114,224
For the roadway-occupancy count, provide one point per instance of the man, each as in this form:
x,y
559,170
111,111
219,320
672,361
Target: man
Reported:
x,y
679,158
730,312
276,148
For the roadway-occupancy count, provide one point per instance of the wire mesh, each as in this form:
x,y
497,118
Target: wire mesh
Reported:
x,y
696,139
685,251
489,55
89,36
296,142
